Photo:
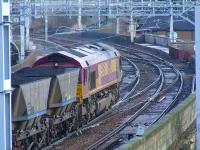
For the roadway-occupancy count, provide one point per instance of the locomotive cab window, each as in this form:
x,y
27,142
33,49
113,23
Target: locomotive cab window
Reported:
x,y
85,76
92,80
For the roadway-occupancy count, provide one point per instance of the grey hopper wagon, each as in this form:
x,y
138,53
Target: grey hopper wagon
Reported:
x,y
29,100
62,92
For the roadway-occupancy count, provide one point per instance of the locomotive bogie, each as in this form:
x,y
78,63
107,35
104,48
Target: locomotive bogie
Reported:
x,y
99,102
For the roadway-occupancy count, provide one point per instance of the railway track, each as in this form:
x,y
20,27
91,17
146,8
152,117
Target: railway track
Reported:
x,y
137,112
129,80
155,107
131,73
120,111
126,66
143,104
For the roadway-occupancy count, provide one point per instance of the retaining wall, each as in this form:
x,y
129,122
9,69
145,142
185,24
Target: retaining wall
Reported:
x,y
157,40
164,134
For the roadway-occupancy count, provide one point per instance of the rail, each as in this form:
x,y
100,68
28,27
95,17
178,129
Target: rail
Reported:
x,y
147,104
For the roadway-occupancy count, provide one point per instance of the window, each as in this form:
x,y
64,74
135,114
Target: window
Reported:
x,y
92,80
85,76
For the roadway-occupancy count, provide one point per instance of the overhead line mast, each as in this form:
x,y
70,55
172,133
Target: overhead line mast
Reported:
x,y
197,52
5,77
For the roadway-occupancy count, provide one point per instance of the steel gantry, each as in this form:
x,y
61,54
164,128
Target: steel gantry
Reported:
x,y
111,8
24,9
197,52
5,77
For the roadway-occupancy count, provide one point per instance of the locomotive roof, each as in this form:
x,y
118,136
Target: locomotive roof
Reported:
x,y
90,54
28,75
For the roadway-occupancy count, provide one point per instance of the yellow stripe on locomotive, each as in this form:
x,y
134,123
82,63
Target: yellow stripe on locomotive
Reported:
x,y
80,93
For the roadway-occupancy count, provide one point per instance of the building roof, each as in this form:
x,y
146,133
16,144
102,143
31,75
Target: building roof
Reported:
x,y
163,24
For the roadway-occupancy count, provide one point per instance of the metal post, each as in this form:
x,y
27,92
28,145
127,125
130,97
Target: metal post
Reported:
x,y
117,19
80,14
142,5
132,28
27,27
22,34
99,13
45,21
106,10
46,27
69,9
5,81
183,4
152,5
117,25
109,8
197,52
171,23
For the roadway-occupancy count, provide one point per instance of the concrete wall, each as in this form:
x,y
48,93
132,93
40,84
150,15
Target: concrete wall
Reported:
x,y
163,41
186,35
157,40
164,134
149,39
186,46
183,35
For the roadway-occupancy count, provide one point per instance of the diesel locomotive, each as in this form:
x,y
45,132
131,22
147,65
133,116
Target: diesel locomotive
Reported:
x,y
62,91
